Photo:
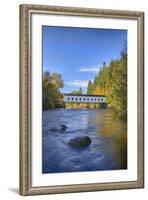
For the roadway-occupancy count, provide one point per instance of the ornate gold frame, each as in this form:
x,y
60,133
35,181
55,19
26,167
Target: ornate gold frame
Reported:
x,y
25,98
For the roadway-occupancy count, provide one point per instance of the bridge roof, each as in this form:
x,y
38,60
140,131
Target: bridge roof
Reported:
x,y
84,95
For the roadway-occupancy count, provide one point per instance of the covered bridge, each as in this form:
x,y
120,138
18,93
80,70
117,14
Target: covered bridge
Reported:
x,y
84,100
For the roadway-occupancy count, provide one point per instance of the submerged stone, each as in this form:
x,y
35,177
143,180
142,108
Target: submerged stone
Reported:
x,y
54,129
63,127
80,141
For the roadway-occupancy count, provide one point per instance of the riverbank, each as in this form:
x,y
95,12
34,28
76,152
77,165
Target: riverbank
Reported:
x,y
73,105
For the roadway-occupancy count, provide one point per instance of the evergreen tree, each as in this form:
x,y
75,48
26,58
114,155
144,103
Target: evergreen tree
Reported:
x,y
80,91
89,87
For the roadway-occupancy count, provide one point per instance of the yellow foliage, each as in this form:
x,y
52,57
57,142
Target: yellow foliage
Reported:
x,y
99,91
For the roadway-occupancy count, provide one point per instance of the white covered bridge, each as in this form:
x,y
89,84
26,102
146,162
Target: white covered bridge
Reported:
x,y
84,98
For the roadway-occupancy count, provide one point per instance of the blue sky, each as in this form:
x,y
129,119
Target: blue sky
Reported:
x,y
78,53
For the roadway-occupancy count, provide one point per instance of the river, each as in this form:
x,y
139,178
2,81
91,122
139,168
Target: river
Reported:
x,y
107,151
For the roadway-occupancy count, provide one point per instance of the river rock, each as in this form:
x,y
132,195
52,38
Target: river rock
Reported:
x,y
80,141
63,127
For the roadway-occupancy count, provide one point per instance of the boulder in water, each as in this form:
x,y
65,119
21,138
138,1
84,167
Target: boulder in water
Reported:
x,y
82,141
63,127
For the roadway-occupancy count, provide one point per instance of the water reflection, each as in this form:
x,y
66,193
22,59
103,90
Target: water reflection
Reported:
x,y
114,134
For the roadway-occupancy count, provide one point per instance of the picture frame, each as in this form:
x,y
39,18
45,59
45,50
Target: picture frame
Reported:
x,y
27,72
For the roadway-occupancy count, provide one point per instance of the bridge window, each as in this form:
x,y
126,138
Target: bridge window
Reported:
x,y
101,99
83,99
87,99
92,99
98,99
79,99
72,98
76,99
95,99
68,98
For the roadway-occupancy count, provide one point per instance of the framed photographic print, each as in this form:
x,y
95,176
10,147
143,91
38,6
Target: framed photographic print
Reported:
x,y
81,99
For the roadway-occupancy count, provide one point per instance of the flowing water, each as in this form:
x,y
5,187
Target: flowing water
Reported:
x,y
107,151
